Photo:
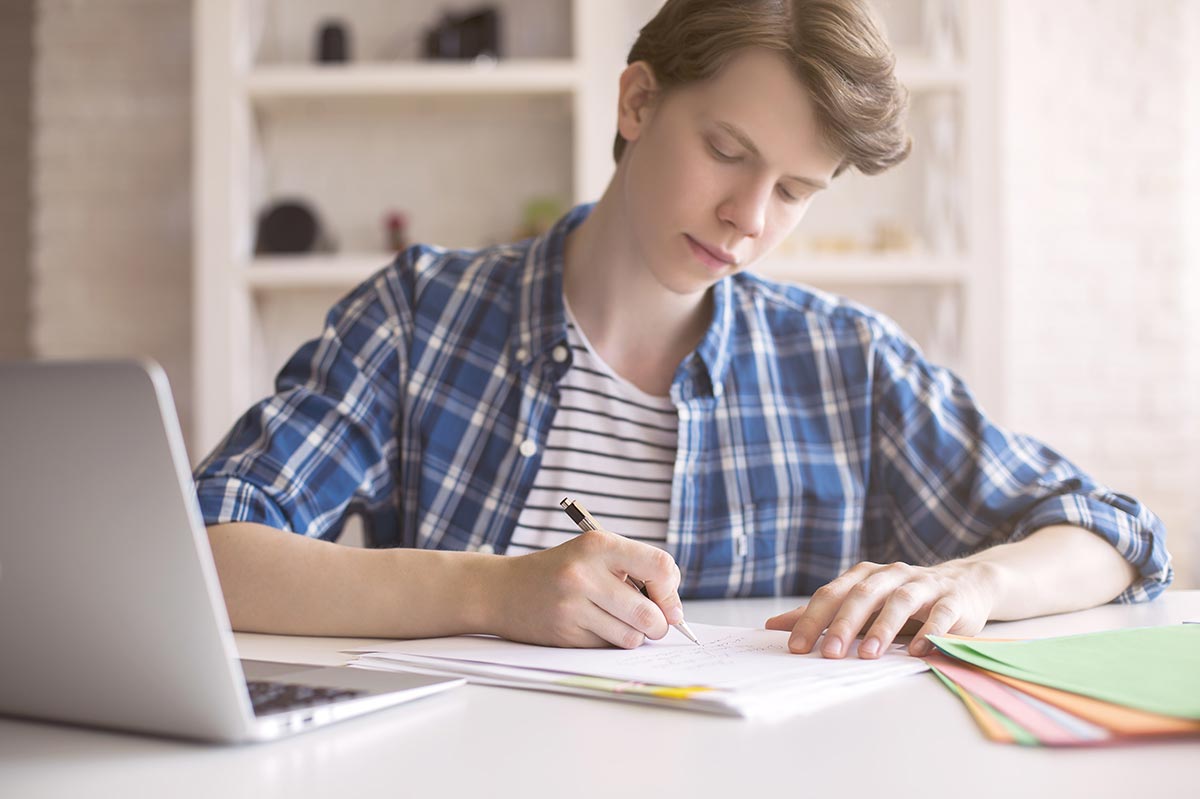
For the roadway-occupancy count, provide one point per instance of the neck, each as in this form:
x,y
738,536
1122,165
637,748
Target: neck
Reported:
x,y
639,327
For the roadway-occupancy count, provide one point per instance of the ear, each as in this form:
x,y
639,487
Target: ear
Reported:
x,y
638,90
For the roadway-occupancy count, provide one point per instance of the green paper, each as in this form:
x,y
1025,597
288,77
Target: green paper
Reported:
x,y
1156,669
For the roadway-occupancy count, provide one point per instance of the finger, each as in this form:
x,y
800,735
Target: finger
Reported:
x,y
943,617
903,603
907,629
862,601
823,606
623,601
655,569
610,629
785,621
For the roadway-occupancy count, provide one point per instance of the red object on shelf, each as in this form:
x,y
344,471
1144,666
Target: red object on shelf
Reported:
x,y
397,230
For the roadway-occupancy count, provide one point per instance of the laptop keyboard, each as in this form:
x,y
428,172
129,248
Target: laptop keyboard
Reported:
x,y
277,697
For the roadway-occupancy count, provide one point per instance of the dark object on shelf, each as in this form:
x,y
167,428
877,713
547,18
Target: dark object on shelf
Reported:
x,y
333,43
288,226
465,35
396,224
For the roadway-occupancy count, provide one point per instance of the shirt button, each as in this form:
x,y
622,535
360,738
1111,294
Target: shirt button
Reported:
x,y
522,354
485,549
528,448
559,354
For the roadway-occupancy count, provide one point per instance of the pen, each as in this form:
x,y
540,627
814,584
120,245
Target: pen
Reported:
x,y
587,524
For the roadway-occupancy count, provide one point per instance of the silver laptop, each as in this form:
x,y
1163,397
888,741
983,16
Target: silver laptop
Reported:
x,y
110,610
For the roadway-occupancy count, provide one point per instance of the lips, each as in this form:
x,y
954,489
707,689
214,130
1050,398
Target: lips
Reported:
x,y
712,256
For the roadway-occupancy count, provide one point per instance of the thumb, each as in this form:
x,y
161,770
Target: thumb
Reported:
x,y
786,621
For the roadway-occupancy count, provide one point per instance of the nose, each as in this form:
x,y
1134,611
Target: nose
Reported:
x,y
746,208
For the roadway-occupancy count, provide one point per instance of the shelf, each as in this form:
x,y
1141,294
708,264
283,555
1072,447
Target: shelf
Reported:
x,y
380,80
530,76
342,271
348,270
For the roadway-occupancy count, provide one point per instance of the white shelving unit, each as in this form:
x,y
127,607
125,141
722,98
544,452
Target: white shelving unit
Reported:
x,y
269,125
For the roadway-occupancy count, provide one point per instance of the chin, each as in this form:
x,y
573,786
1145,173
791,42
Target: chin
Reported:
x,y
685,284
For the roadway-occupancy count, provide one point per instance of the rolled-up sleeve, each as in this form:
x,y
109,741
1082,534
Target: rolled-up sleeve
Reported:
x,y
324,445
951,481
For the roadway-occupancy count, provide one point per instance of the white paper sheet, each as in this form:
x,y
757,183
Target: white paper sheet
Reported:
x,y
751,670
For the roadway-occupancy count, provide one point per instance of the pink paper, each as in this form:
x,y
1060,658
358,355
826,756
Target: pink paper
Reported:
x,y
998,696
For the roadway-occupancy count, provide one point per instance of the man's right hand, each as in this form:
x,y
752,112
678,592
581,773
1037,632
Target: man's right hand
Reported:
x,y
575,594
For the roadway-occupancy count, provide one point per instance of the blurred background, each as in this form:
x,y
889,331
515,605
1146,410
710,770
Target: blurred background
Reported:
x,y
198,181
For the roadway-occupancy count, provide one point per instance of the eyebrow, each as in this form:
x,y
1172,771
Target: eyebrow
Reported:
x,y
746,142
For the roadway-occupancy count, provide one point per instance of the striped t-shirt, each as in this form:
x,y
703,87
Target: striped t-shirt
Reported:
x,y
612,447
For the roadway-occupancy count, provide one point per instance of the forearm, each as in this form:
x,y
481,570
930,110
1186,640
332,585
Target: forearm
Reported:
x,y
279,582
1055,570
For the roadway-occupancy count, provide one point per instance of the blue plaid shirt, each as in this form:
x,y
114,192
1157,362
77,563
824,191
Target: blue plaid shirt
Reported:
x,y
812,432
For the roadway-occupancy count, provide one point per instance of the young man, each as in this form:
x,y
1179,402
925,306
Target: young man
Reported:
x,y
747,438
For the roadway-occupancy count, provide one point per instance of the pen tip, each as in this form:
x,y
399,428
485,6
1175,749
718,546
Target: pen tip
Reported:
x,y
687,631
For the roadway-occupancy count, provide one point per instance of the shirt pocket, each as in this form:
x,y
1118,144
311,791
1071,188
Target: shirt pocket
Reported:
x,y
771,548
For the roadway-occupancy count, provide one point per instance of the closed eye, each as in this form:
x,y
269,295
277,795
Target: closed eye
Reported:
x,y
724,157
720,155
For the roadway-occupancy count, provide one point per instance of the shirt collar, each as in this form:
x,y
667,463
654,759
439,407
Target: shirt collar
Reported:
x,y
541,317
714,348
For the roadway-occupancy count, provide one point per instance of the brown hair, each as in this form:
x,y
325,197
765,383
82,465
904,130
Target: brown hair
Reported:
x,y
836,47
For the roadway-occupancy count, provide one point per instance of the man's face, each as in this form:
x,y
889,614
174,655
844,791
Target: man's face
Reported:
x,y
720,172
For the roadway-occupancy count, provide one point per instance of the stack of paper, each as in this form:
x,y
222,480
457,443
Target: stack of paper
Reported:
x,y
737,671
1100,688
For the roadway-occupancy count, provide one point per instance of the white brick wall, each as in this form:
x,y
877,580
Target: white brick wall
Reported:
x,y
112,183
1097,253
16,55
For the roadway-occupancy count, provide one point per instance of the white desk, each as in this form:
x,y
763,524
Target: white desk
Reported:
x,y
477,741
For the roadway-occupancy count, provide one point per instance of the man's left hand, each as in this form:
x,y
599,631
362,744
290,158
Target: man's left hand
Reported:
x,y
951,597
